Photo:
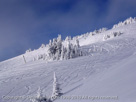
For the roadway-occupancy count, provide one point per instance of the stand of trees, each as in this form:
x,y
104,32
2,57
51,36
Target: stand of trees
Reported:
x,y
58,51
56,92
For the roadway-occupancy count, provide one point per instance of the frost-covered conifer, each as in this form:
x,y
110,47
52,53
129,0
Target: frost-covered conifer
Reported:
x,y
29,50
62,53
40,97
56,88
42,46
77,43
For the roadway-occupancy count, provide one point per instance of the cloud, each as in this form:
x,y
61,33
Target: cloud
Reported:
x,y
17,23
120,9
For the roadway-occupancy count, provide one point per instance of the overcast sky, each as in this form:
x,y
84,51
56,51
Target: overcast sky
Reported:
x,y
29,23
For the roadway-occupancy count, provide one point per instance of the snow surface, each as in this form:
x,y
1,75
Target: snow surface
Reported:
x,y
108,70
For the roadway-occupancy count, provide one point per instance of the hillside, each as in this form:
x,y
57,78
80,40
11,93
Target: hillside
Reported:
x,y
106,68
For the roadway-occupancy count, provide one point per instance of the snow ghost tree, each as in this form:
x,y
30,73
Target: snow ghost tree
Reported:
x,y
42,46
56,88
55,93
55,48
68,38
29,50
112,35
77,43
68,50
62,52
40,97
59,50
126,22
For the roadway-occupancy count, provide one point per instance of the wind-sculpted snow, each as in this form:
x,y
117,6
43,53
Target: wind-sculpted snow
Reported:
x,y
106,69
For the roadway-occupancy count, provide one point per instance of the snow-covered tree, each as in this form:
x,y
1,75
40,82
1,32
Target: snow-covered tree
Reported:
x,y
59,38
77,43
56,88
58,48
50,42
111,35
42,46
126,22
29,50
68,38
62,53
40,97
52,48
96,31
68,50
55,48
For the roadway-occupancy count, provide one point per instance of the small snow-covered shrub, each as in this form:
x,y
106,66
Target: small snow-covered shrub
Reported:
x,y
98,31
90,33
42,46
40,97
29,50
126,22
111,35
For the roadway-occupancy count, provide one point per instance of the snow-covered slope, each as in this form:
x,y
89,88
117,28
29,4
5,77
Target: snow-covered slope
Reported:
x,y
120,82
108,69
117,83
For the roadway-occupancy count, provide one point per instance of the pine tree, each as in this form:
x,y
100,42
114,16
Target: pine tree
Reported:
x,y
40,97
56,88
39,93
68,38
42,46
65,53
29,50
62,53
76,50
59,38
50,43
77,43
68,50
58,48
